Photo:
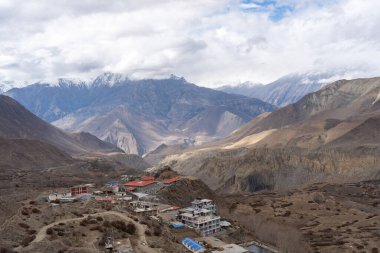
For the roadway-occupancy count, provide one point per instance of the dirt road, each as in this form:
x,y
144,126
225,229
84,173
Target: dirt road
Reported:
x,y
142,246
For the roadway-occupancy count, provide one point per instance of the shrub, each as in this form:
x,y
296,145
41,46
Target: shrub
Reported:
x,y
99,218
32,232
25,242
24,211
102,241
319,198
24,225
120,225
5,250
49,231
148,233
96,228
106,224
157,231
131,229
77,214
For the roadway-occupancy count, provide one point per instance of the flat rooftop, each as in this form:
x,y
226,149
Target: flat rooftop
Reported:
x,y
232,248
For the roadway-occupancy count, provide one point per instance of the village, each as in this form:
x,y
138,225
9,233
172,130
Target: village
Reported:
x,y
196,226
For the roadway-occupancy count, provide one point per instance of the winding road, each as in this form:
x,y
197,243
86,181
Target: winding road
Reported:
x,y
142,246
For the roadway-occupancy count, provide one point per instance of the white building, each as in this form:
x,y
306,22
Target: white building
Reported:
x,y
201,216
58,196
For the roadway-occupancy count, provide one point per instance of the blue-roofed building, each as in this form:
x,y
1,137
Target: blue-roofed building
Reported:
x,y
177,225
193,245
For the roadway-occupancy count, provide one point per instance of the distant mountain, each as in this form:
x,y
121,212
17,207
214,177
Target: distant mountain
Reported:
x,y
16,122
5,86
246,89
138,116
286,90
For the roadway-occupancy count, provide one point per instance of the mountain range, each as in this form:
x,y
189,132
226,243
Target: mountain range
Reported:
x,y
328,135
140,115
286,90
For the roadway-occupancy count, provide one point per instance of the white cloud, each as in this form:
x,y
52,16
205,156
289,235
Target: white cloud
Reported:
x,y
210,42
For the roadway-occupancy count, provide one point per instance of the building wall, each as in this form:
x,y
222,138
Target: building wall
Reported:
x,y
79,190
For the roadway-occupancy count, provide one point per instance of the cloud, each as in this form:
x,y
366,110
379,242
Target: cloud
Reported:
x,y
210,42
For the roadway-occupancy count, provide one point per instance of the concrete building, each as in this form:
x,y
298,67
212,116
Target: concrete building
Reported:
x,y
204,204
79,189
201,216
147,208
58,196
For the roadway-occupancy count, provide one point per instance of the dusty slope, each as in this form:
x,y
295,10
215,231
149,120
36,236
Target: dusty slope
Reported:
x,y
18,122
342,100
329,135
22,153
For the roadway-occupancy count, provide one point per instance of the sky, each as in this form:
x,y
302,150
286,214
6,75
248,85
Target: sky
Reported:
x,y
209,42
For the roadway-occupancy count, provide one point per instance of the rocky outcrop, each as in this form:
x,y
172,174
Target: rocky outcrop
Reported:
x,y
279,169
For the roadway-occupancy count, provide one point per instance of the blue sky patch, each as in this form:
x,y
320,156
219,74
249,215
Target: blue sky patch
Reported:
x,y
275,11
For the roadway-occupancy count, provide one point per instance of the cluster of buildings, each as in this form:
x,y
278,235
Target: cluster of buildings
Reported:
x,y
140,194
129,187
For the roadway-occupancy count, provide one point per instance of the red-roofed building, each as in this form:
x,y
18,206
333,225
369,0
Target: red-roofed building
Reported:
x,y
142,186
139,183
130,189
171,180
147,178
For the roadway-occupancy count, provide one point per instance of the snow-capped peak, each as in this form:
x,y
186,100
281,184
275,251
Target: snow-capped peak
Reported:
x,y
109,79
7,85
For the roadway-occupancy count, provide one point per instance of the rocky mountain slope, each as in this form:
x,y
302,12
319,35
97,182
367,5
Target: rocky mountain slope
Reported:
x,y
138,116
22,153
329,135
286,90
16,122
320,117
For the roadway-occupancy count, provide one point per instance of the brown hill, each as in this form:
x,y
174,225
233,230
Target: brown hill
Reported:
x,y
352,101
23,153
16,122
330,135
366,134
